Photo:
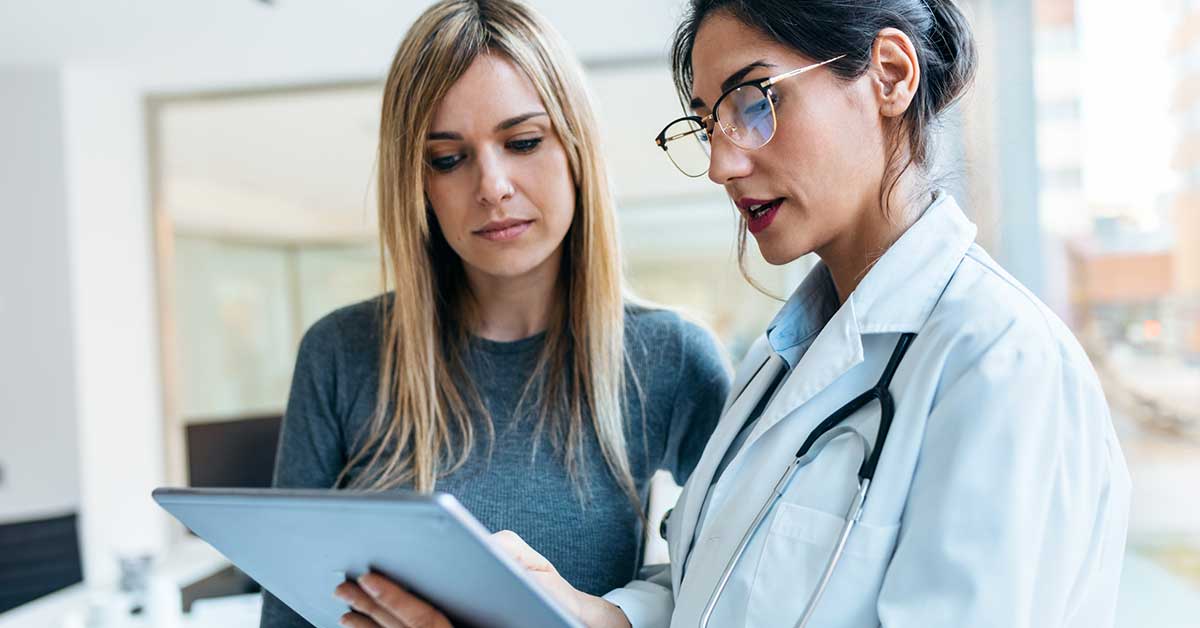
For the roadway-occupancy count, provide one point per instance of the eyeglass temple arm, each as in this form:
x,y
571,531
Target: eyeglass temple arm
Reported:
x,y
775,79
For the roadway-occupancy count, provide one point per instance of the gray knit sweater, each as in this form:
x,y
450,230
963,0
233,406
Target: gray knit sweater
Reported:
x,y
587,527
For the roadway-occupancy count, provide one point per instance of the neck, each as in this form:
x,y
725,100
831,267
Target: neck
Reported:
x,y
852,254
512,308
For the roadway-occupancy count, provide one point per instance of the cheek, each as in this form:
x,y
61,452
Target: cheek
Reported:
x,y
554,188
861,150
449,206
831,150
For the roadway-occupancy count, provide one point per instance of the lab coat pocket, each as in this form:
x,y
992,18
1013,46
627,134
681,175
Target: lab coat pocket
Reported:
x,y
797,547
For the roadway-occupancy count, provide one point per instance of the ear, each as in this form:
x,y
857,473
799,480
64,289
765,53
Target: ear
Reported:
x,y
895,72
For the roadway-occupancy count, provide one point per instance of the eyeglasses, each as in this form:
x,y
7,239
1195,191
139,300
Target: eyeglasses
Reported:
x,y
745,113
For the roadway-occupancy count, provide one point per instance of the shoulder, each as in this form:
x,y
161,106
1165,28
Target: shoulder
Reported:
x,y
670,335
646,321
987,317
353,328
681,373
1011,373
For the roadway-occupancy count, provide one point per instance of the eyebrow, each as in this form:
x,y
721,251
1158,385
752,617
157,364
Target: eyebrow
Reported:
x,y
503,126
515,120
734,79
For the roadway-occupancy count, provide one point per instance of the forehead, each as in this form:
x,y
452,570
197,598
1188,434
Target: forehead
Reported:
x,y
724,45
492,89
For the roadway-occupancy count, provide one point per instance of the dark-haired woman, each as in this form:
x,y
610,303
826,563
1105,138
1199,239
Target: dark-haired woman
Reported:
x,y
916,441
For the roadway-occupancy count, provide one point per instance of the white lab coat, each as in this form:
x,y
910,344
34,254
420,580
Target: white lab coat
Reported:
x,y
1001,498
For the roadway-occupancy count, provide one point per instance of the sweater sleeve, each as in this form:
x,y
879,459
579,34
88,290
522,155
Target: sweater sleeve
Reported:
x,y
703,384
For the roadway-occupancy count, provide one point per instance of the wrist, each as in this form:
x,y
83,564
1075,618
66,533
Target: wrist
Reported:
x,y
597,612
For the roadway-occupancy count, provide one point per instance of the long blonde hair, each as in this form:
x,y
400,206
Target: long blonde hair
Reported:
x,y
424,394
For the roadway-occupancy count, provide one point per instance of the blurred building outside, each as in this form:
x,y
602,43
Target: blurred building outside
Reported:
x,y
1129,243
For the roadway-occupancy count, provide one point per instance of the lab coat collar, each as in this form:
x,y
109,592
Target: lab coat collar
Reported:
x,y
885,302
899,292
897,296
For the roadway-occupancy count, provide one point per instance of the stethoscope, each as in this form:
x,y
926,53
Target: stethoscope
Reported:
x,y
822,434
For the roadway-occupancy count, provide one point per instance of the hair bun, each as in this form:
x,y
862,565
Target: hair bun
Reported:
x,y
954,69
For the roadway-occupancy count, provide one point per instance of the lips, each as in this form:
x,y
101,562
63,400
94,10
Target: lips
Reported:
x,y
760,213
502,230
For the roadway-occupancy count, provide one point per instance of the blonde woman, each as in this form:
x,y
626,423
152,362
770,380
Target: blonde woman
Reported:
x,y
506,366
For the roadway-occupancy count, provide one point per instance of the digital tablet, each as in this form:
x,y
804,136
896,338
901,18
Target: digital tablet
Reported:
x,y
300,544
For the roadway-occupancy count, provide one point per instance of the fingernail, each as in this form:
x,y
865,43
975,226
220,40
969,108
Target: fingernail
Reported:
x,y
367,586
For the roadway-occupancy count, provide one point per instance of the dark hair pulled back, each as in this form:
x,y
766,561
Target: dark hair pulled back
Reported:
x,y
824,29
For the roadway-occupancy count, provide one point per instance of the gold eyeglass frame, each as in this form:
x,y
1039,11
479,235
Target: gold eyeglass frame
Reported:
x,y
710,121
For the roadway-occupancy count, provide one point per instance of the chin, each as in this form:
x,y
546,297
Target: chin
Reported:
x,y
778,255
512,265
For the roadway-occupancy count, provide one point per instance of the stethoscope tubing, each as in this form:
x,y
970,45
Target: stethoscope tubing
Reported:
x,y
822,434
852,517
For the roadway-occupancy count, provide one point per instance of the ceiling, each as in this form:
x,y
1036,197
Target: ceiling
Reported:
x,y
265,115
182,44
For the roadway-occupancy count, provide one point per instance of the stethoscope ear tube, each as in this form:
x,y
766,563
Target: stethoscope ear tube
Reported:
x,y
887,406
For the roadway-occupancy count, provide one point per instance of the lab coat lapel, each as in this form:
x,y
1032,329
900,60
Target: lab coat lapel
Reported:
x,y
836,350
691,501
754,361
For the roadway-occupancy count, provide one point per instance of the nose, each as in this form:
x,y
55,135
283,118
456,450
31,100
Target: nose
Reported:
x,y
495,181
727,161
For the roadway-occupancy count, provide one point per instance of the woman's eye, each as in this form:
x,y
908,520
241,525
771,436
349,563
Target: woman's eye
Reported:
x,y
524,145
757,107
445,163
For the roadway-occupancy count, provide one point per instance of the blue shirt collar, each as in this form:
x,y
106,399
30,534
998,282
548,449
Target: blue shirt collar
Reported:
x,y
803,316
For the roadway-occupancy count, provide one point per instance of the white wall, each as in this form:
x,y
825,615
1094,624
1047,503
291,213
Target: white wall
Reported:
x,y
117,366
80,407
38,437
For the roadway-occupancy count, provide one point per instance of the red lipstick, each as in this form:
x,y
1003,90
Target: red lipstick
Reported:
x,y
759,213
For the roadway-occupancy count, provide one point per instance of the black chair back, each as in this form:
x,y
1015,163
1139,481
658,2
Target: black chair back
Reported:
x,y
233,454
38,558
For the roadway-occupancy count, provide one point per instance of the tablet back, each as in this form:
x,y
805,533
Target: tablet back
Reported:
x,y
300,544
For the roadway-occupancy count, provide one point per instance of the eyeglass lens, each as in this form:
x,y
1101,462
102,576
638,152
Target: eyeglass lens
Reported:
x,y
747,118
